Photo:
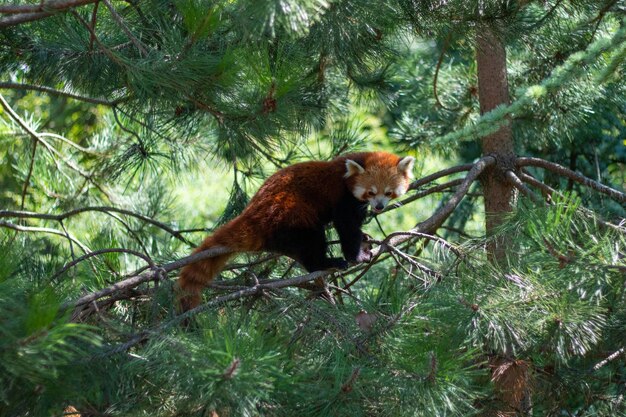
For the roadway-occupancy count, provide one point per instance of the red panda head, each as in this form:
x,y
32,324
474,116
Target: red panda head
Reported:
x,y
380,178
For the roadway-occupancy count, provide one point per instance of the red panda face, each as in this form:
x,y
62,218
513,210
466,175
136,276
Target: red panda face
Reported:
x,y
379,183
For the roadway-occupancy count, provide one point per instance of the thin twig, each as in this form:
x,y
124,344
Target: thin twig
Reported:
x,y
103,48
608,359
94,16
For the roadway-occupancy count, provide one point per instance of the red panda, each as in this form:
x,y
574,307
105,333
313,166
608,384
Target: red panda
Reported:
x,y
288,214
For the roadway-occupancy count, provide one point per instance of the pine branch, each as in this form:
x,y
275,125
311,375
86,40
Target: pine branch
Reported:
x,y
55,154
548,192
216,302
493,120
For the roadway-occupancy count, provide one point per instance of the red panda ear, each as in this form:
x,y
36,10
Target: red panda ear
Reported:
x,y
405,166
353,168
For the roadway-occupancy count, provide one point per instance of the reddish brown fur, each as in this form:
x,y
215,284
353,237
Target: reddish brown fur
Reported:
x,y
303,195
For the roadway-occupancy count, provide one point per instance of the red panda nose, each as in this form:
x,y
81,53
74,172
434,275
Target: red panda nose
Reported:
x,y
380,206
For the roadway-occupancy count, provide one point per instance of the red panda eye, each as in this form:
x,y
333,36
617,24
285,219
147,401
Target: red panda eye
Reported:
x,y
388,193
371,193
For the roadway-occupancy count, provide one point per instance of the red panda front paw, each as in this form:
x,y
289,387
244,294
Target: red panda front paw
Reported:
x,y
365,255
365,252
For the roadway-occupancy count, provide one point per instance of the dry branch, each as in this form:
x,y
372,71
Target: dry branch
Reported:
x,y
579,178
149,275
517,183
43,6
23,13
445,172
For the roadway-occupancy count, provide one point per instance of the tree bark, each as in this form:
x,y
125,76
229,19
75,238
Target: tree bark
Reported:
x,y
493,90
510,376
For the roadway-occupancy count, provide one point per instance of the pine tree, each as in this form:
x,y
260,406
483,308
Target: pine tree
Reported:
x,y
106,104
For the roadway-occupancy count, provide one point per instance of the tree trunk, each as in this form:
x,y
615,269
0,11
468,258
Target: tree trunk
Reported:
x,y
493,90
510,377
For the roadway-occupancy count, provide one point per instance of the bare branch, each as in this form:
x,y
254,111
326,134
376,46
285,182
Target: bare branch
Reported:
x,y
517,183
43,6
579,178
18,19
149,275
546,190
611,357
430,178
424,193
23,13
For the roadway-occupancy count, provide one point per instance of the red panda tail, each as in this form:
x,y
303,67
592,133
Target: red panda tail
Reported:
x,y
235,235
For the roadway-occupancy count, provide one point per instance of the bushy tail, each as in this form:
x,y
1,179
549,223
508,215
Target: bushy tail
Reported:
x,y
235,235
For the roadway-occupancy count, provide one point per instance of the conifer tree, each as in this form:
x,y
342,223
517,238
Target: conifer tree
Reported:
x,y
106,103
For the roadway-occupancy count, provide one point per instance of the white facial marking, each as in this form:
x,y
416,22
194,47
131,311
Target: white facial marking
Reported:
x,y
400,190
358,192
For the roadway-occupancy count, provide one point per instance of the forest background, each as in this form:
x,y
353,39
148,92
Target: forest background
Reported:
x,y
131,129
